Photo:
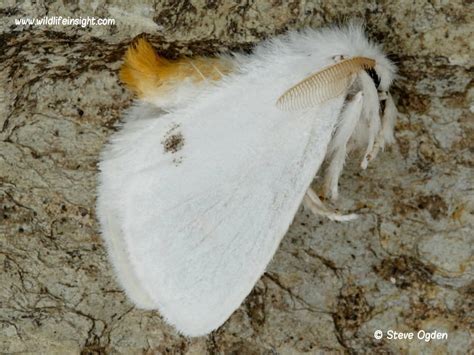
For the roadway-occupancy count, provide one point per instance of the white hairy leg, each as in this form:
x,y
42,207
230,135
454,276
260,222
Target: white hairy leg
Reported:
x,y
389,116
312,201
388,120
370,113
338,147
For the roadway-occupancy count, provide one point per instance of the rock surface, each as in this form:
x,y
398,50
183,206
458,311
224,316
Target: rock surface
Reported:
x,y
406,264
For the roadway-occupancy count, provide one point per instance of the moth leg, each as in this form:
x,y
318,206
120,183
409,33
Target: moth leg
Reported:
x,y
389,115
371,113
312,201
338,147
380,140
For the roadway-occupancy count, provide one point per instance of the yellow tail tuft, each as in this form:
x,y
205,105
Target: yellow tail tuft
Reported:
x,y
147,74
142,67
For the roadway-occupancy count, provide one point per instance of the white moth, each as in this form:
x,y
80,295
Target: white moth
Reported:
x,y
202,182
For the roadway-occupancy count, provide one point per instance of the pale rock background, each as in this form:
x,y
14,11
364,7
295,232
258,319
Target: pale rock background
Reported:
x,y
406,264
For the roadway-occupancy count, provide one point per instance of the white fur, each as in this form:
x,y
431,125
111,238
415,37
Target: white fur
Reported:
x,y
338,146
370,113
388,120
190,232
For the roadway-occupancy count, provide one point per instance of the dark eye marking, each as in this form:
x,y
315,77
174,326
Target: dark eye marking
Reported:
x,y
374,76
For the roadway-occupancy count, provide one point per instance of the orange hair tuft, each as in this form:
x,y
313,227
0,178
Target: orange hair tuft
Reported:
x,y
146,73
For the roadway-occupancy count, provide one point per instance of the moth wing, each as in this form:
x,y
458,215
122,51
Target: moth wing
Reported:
x,y
113,179
205,201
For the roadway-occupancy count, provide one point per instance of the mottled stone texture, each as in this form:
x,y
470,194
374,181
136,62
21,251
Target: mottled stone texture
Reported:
x,y
406,264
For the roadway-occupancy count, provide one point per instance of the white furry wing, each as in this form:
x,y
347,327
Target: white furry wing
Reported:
x,y
208,195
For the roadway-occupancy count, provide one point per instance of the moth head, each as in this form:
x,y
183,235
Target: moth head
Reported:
x,y
382,75
383,72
